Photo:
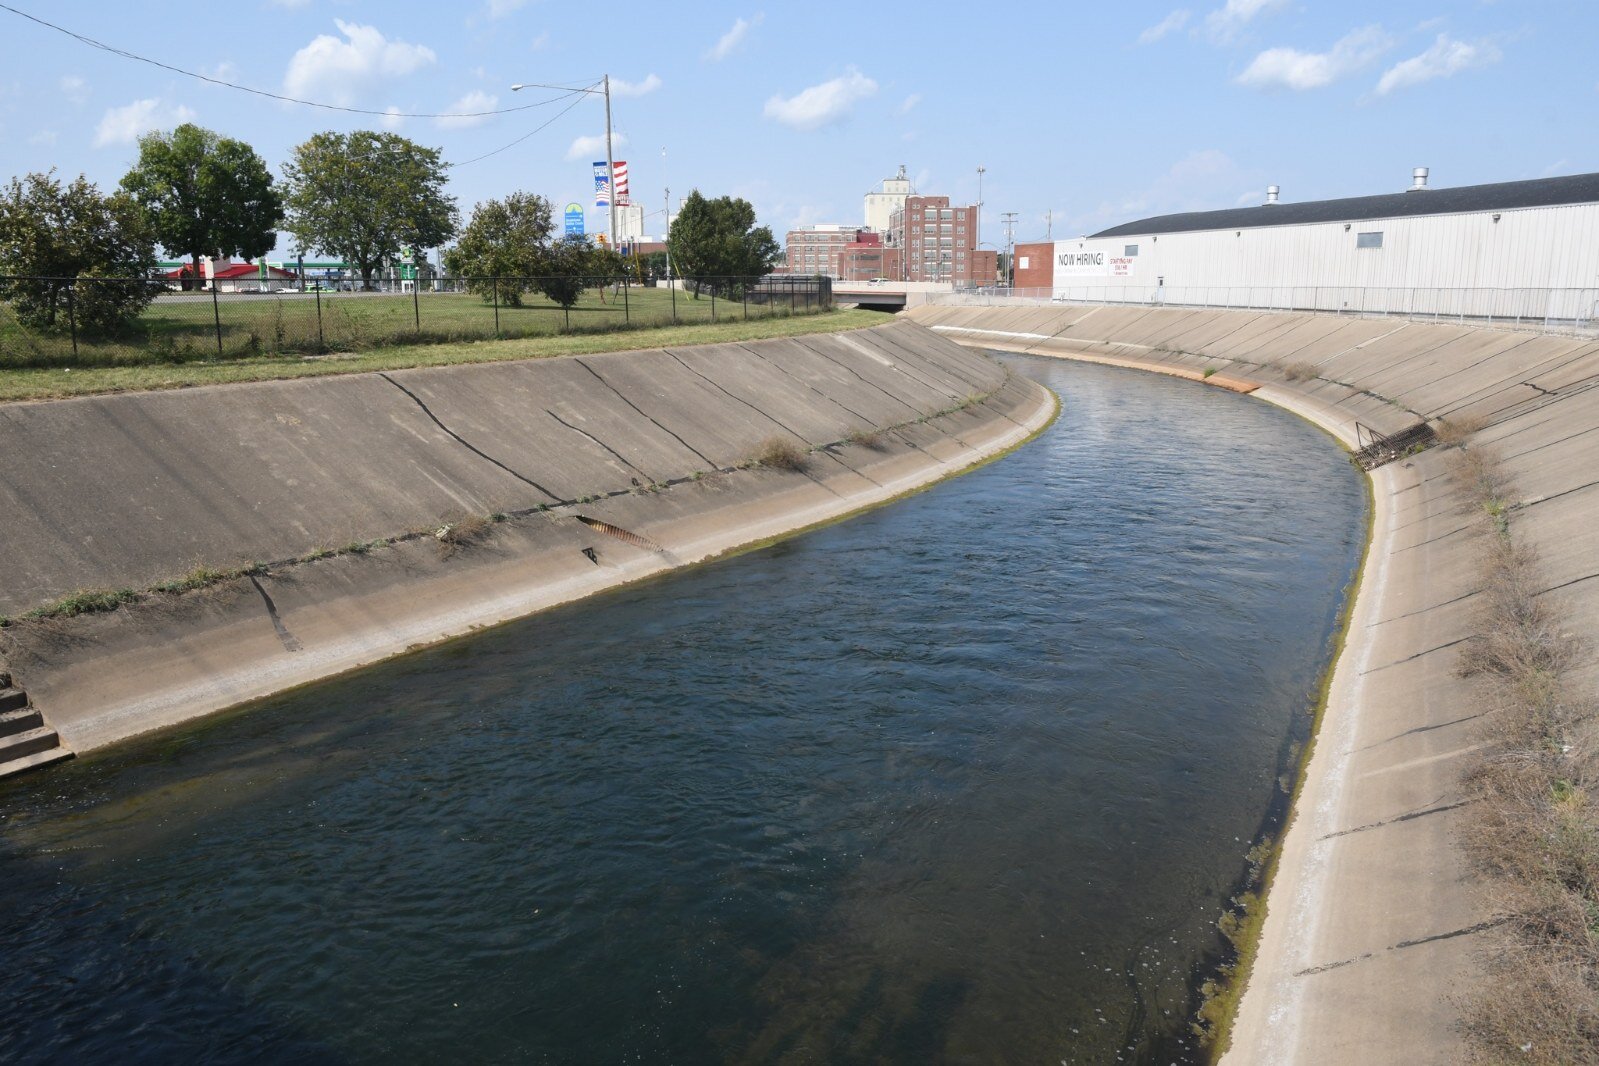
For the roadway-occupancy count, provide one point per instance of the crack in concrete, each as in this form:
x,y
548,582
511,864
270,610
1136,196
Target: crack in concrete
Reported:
x,y
731,396
601,443
464,442
1417,655
1409,816
620,396
1451,935
287,639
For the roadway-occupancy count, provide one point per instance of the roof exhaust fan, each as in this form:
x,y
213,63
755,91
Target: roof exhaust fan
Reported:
x,y
1418,180
1272,193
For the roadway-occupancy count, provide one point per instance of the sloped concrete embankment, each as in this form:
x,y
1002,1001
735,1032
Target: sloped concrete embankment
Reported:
x,y
1373,929
592,471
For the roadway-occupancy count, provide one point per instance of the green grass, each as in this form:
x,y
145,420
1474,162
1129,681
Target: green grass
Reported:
x,y
185,327
41,383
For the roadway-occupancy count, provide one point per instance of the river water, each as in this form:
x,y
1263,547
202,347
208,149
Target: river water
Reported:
x,y
968,778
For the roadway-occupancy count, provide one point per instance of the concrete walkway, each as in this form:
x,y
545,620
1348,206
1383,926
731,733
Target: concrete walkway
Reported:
x,y
1373,930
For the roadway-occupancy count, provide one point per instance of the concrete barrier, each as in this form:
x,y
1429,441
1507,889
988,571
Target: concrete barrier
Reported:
x,y
131,491
1372,929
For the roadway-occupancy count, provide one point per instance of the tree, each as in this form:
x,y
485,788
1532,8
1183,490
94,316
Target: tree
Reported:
x,y
719,238
205,195
51,235
573,265
364,195
506,239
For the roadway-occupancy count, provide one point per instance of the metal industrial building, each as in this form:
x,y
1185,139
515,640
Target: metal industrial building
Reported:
x,y
1511,250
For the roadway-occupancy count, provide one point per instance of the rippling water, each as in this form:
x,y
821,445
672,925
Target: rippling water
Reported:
x,y
968,778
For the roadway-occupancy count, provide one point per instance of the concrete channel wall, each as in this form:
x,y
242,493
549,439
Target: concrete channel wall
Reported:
x,y
601,469
1372,931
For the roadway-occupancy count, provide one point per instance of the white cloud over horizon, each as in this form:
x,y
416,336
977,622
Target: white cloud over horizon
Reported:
x,y
75,89
728,43
1289,68
823,104
635,88
124,125
1446,58
338,70
589,148
1224,23
463,113
1168,25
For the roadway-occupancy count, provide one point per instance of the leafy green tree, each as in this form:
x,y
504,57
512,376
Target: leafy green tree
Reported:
x,y
573,264
719,239
205,195
52,235
506,239
363,196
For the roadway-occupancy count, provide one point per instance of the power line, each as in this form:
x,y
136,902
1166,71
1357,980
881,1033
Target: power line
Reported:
x,y
102,46
522,138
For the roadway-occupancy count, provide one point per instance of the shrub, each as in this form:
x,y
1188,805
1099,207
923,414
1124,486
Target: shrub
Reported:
x,y
781,454
1300,372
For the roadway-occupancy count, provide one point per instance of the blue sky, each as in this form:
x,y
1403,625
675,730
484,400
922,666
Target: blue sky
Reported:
x,y
1096,113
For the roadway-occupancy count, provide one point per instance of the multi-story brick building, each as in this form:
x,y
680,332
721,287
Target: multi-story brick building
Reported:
x,y
938,243
820,249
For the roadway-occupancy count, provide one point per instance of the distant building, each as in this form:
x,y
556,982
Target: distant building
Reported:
x,y
937,242
881,205
1035,266
865,258
820,249
229,276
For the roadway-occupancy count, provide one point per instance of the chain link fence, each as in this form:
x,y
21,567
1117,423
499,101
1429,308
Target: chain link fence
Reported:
x,y
64,322
1573,311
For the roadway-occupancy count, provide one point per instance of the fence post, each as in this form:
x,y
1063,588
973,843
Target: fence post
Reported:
x,y
713,303
627,313
496,282
791,307
321,343
216,316
72,316
416,301
744,297
671,283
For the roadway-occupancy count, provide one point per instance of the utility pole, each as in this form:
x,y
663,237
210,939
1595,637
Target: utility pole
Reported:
x,y
1010,244
610,162
1049,224
981,170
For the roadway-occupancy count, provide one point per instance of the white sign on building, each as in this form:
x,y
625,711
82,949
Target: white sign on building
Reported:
x,y
1092,263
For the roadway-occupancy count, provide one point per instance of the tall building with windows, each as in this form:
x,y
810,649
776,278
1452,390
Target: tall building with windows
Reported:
x,y
938,243
881,204
820,249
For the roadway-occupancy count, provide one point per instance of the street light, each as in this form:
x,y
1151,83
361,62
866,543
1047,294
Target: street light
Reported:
x,y
610,163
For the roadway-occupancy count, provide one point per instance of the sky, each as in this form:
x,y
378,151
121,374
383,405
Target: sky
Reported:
x,y
1082,115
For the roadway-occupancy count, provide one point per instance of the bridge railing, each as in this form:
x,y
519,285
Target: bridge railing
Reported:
x,y
1549,310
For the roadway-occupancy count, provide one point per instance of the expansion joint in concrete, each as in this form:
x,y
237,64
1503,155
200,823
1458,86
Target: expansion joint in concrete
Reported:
x,y
651,419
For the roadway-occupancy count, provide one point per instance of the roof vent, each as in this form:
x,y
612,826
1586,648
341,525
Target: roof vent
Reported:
x,y
1272,192
1418,180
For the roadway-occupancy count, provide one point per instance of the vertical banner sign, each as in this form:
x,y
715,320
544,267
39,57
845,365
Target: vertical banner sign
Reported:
x,y
621,181
602,185
574,220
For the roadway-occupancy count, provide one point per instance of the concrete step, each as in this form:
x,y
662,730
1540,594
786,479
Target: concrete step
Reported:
x,y
12,699
34,761
28,742
14,722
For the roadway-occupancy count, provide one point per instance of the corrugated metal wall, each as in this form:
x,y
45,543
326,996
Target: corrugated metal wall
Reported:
x,y
1532,262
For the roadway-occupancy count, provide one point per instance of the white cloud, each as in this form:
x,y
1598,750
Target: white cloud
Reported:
x,y
541,42
391,119
462,114
1289,68
292,3
75,89
123,125
1199,181
1170,24
728,43
1225,22
1444,59
592,148
498,9
635,88
223,71
332,69
45,137
821,104
909,104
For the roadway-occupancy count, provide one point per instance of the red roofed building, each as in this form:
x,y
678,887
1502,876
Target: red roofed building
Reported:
x,y
234,277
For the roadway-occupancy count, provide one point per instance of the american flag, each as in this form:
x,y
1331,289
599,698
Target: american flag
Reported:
x,y
621,181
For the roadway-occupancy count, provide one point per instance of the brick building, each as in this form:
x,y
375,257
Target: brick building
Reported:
x,y
866,258
938,242
1035,266
820,249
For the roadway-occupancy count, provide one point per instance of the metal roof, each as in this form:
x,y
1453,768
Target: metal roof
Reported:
x,y
1500,196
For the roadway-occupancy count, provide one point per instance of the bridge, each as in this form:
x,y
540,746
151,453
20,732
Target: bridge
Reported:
x,y
887,295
